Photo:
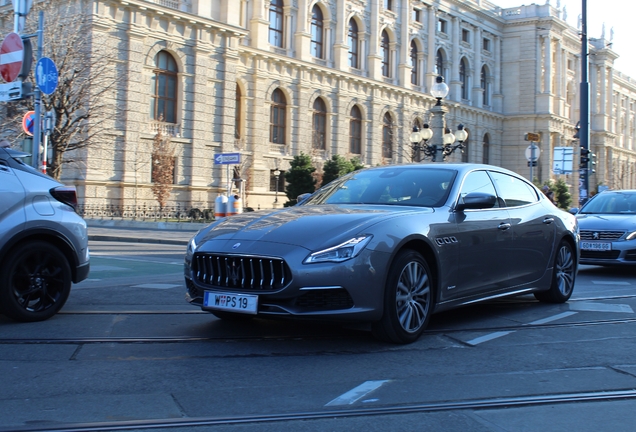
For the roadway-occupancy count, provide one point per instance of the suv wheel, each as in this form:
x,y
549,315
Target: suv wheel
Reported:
x,y
36,282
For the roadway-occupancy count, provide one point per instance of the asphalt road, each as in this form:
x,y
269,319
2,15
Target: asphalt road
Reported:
x,y
128,353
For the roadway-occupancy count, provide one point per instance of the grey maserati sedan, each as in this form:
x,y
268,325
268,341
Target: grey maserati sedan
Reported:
x,y
388,245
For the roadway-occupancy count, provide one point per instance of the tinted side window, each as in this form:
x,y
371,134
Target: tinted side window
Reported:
x,y
477,181
514,191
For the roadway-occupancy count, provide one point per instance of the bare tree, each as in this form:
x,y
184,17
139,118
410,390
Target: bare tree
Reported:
x,y
162,168
87,70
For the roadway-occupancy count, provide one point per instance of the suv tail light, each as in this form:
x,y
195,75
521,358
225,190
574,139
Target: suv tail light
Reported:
x,y
65,194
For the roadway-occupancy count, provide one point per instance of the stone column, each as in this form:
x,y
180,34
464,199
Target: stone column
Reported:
x,y
374,59
259,26
455,84
303,35
341,47
430,67
477,90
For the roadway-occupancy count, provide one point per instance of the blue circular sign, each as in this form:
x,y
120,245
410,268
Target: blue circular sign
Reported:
x,y
46,75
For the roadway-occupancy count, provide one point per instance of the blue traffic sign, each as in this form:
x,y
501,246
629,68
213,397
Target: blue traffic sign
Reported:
x,y
46,75
227,158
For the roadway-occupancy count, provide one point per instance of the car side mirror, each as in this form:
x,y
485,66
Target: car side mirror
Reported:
x,y
574,210
476,200
302,197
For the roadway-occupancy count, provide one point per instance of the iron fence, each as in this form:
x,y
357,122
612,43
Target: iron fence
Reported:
x,y
145,213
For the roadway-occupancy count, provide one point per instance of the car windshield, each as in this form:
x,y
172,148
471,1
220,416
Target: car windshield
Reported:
x,y
427,187
611,203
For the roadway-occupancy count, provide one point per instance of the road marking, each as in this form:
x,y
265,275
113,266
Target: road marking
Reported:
x,y
552,318
488,337
601,307
98,268
610,283
156,286
357,393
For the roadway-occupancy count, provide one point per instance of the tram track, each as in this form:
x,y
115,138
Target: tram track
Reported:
x,y
279,337
429,407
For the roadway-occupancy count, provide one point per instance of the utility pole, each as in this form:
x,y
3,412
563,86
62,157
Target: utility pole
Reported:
x,y
584,132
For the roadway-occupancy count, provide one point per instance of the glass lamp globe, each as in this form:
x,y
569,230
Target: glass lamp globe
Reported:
x,y
439,90
426,133
461,133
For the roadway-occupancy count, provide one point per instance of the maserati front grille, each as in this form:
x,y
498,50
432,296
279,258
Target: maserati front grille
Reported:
x,y
240,272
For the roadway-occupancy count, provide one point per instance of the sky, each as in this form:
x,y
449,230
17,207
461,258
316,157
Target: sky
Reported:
x,y
618,14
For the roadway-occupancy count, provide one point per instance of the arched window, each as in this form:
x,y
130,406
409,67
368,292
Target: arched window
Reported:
x,y
238,119
414,66
355,131
164,87
276,22
320,125
439,63
387,137
353,44
485,86
277,118
463,78
486,149
385,48
317,32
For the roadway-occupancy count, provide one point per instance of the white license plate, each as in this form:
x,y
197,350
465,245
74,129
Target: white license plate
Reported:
x,y
241,303
597,246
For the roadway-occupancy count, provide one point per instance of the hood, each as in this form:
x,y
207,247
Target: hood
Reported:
x,y
614,222
307,226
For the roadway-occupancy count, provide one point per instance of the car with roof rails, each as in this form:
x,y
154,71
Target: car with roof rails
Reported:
x,y
43,241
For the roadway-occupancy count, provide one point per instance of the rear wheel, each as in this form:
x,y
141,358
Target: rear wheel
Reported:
x,y
36,282
563,276
408,299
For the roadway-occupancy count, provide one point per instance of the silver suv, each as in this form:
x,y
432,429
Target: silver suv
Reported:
x,y
43,241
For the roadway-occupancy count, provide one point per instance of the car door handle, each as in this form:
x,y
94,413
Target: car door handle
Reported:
x,y
548,220
504,226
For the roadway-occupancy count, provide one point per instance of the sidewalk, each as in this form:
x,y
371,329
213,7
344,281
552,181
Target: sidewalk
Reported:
x,y
142,232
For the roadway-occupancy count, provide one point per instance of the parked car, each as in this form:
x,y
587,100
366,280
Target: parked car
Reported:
x,y
43,241
388,245
608,228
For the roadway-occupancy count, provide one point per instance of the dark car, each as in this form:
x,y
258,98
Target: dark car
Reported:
x,y
608,228
388,245
43,241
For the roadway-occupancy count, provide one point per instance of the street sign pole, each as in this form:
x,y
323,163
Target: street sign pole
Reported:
x,y
35,160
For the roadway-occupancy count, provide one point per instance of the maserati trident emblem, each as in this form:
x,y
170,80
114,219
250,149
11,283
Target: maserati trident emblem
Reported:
x,y
236,245
233,272
595,236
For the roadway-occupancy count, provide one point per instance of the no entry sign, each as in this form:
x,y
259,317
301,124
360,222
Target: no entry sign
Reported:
x,y
11,56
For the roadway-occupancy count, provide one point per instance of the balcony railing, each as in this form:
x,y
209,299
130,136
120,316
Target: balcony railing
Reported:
x,y
182,5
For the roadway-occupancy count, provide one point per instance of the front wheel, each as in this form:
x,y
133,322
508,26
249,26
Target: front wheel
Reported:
x,y
408,299
35,282
563,276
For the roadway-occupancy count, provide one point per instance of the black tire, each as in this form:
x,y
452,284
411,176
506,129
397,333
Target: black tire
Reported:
x,y
408,300
36,282
229,316
563,276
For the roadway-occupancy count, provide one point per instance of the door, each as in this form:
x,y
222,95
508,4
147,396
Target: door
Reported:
x,y
485,240
533,229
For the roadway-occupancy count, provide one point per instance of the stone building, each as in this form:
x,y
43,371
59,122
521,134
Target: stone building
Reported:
x,y
271,79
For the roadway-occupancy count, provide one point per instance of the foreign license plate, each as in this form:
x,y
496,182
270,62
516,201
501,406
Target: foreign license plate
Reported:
x,y
596,246
241,303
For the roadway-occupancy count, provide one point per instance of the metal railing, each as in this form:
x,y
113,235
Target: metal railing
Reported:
x,y
145,213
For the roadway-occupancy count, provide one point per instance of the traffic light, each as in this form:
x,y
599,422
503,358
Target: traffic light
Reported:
x,y
592,163
585,158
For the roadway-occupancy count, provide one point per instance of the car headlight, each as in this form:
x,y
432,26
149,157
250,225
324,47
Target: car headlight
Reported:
x,y
192,245
631,236
342,252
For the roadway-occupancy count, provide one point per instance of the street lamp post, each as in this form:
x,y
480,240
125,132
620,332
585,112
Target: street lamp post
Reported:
x,y
276,175
442,145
